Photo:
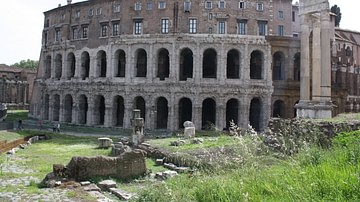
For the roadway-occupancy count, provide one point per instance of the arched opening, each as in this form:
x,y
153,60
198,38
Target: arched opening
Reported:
x,y
163,64
46,107
208,113
85,65
255,112
68,106
47,73
185,111
232,111
209,63
256,65
161,113
101,64
56,107
99,110
278,65
83,109
141,63
118,111
140,104
58,66
297,67
233,64
186,64
279,109
120,63
70,73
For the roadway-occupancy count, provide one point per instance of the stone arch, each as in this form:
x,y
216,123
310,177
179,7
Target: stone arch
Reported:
x,y
47,73
208,113
140,104
101,64
85,65
120,63
141,63
46,107
255,113
83,109
99,110
162,113
232,112
279,109
118,111
297,67
233,64
278,66
56,107
185,111
58,66
186,64
209,63
71,63
256,64
68,107
163,64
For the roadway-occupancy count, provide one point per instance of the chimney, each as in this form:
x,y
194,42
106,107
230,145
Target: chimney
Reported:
x,y
69,2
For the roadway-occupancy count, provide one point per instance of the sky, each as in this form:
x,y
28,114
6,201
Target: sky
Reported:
x,y
21,23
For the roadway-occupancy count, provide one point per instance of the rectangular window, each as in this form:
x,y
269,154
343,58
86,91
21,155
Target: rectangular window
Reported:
x,y
210,30
74,33
281,14
162,5
57,35
208,4
77,14
116,29
104,30
149,5
221,27
91,12
192,26
242,27
262,25
281,30
138,27
259,6
293,16
62,17
117,8
85,30
242,5
137,6
187,6
222,4
98,11
165,26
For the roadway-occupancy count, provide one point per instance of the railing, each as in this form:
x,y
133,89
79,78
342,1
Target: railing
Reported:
x,y
6,146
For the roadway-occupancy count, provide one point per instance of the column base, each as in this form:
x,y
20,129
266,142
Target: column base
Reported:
x,y
314,109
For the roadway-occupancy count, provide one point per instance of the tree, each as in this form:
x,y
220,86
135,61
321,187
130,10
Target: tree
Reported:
x,y
335,9
30,64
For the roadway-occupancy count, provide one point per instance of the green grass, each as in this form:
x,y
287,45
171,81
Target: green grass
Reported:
x,y
11,135
15,115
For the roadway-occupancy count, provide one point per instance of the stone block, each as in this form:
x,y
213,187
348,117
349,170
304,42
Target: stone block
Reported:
x,y
105,185
189,132
104,142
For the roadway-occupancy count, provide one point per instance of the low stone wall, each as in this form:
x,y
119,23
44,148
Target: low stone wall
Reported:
x,y
127,165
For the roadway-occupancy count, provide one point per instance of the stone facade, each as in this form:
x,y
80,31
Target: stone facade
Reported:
x,y
203,61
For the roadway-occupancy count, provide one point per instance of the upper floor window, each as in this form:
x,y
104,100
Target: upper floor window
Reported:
x,y
91,12
222,4
162,5
262,26
208,4
259,6
116,28
293,16
98,11
104,30
57,35
281,14
137,6
149,5
62,18
47,23
192,26
164,26
85,30
77,14
242,5
138,27
210,30
117,8
242,27
74,33
187,6
222,27
281,30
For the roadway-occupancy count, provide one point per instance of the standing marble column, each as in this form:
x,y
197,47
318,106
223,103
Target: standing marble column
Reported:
x,y
325,57
316,62
305,62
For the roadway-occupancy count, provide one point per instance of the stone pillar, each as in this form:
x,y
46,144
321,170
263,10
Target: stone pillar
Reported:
x,y
305,62
172,114
62,108
90,112
75,112
221,115
151,69
128,68
138,128
108,112
127,112
244,109
51,107
221,66
316,61
325,57
196,115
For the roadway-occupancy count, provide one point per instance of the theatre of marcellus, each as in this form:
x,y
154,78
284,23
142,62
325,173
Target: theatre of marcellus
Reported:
x,y
206,61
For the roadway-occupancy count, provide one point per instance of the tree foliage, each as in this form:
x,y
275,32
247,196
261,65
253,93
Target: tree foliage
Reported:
x,y
30,64
336,10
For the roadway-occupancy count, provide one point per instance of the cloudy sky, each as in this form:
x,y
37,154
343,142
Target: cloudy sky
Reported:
x,y
21,23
